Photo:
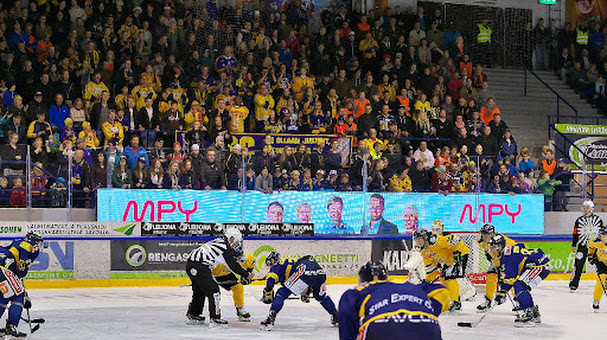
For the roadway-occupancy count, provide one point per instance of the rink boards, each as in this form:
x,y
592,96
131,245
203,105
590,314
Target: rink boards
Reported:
x,y
150,262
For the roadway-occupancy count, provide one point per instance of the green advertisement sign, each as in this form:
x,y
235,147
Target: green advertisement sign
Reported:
x,y
561,257
581,129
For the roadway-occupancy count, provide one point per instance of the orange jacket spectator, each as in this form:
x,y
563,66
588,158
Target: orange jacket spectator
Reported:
x,y
465,66
488,113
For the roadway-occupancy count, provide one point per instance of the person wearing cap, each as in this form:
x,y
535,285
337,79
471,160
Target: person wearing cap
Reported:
x,y
40,128
134,151
35,106
196,113
89,136
68,131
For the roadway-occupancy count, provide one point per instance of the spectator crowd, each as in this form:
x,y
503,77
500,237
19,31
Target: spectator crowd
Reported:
x,y
149,94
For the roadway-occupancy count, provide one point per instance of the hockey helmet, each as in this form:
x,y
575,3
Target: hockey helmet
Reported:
x,y
233,237
437,227
498,241
272,258
602,231
371,270
588,204
487,228
33,238
424,234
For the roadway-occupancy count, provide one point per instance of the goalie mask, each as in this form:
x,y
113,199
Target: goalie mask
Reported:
x,y
372,270
437,227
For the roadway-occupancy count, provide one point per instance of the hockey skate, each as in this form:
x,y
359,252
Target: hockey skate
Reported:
x,y
194,319
219,321
243,315
334,320
537,317
525,319
484,307
595,306
11,333
455,307
268,323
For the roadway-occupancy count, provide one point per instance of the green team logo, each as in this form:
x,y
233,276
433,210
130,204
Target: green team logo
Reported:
x,y
260,256
127,229
136,255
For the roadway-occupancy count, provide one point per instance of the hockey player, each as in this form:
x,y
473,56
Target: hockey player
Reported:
x,y
520,269
201,261
453,259
296,277
584,230
487,232
15,261
228,281
380,309
597,255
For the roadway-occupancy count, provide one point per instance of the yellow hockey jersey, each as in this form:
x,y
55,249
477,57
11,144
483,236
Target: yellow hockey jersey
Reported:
x,y
600,249
238,114
223,270
443,252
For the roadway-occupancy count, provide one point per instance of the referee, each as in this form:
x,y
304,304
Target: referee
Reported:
x,y
584,230
202,260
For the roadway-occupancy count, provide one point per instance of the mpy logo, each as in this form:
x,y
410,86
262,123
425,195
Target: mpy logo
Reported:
x,y
136,255
127,229
260,256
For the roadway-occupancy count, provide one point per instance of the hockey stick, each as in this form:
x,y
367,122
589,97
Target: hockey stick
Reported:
x,y
38,320
477,322
29,322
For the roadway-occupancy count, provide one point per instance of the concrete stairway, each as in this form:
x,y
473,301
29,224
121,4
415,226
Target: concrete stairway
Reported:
x,y
526,115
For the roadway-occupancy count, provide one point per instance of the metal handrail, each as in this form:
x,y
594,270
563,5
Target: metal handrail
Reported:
x,y
558,96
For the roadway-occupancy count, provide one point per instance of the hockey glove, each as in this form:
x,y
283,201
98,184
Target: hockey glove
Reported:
x,y
245,281
268,296
593,258
27,304
453,271
305,296
500,297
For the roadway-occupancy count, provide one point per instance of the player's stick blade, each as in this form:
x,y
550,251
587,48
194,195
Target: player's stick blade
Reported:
x,y
35,328
464,324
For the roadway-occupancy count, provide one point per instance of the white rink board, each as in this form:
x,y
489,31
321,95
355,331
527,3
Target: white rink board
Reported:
x,y
158,313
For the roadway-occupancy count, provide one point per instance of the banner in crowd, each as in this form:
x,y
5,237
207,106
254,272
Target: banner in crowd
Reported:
x,y
581,10
254,141
137,259
331,212
590,140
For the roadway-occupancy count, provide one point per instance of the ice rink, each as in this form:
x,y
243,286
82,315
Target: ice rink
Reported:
x,y
158,313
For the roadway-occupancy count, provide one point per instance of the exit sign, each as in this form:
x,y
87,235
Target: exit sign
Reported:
x,y
547,2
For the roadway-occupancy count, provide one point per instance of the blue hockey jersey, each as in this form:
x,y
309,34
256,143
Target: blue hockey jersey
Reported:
x,y
389,310
515,260
305,268
18,256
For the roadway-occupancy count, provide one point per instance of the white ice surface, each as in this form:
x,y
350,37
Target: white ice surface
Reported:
x,y
158,313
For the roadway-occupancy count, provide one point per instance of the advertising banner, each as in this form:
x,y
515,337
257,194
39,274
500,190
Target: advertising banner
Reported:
x,y
561,257
254,141
55,262
139,259
589,140
217,229
70,229
353,213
